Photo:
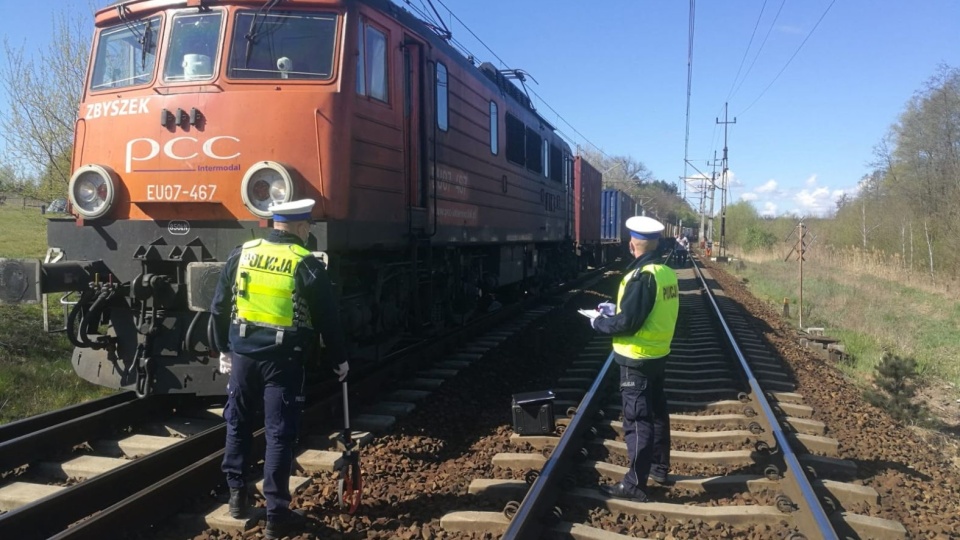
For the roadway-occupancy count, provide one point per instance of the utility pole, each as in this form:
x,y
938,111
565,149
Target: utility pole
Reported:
x,y
722,252
709,220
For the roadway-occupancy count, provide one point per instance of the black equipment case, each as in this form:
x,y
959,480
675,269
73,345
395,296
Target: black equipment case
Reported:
x,y
533,413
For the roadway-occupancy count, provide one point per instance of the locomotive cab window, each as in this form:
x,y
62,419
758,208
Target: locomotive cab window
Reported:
x,y
534,161
290,45
494,129
194,46
546,158
556,163
126,55
372,63
443,111
516,140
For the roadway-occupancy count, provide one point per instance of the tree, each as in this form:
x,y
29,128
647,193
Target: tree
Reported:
x,y
925,168
619,172
43,93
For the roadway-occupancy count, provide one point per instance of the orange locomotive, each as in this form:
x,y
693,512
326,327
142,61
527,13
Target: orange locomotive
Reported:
x,y
437,182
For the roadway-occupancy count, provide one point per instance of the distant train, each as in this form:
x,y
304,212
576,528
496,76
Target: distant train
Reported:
x,y
438,184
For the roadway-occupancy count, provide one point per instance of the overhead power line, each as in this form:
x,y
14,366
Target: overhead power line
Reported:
x,y
759,50
747,50
791,58
686,138
506,66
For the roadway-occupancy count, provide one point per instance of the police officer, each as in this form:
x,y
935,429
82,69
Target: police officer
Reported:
x,y
642,325
272,301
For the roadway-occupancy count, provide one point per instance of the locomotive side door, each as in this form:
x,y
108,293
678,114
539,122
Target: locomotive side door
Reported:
x,y
415,152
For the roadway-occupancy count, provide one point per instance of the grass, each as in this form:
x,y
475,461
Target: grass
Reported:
x,y
871,310
35,371
24,232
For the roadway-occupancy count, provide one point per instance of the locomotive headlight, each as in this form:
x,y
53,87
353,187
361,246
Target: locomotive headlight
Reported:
x,y
264,183
91,190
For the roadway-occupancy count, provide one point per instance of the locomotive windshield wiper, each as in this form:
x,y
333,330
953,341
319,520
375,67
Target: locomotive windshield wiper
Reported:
x,y
123,12
145,45
254,29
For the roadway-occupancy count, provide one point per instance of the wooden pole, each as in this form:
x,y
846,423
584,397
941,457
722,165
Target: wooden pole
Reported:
x,y
801,250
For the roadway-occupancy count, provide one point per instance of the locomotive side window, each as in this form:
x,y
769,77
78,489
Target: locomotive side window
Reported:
x,y
546,158
494,129
192,52
291,45
443,104
516,140
556,163
126,55
534,159
372,63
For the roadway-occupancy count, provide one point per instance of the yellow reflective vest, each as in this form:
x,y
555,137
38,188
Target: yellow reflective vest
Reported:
x,y
654,337
265,287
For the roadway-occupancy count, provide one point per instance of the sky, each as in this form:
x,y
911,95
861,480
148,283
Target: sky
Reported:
x,y
613,74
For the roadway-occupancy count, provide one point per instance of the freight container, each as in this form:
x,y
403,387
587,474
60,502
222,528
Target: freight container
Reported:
x,y
615,207
587,185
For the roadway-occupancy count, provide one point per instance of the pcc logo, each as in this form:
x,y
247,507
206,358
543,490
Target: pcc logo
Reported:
x,y
178,227
179,149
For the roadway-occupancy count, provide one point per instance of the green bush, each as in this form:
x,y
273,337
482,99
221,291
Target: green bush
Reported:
x,y
756,237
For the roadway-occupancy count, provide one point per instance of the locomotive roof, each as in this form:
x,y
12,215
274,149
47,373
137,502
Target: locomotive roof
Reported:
x,y
486,70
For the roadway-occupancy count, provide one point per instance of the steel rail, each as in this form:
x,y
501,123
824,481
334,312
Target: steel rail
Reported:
x,y
32,424
825,527
30,447
54,513
139,494
151,505
528,522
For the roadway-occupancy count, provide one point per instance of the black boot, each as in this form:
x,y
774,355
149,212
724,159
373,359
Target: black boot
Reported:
x,y
292,524
620,491
238,503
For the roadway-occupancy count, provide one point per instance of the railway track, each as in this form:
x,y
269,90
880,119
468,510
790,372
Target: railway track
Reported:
x,y
113,477
449,468
751,462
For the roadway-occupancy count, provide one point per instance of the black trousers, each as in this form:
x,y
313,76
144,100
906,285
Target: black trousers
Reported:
x,y
680,257
277,387
646,421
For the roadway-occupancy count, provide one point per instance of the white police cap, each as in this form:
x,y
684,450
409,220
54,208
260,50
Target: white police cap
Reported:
x,y
644,228
298,210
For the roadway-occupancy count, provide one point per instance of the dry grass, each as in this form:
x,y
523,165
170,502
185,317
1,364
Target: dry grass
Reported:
x,y
873,263
870,303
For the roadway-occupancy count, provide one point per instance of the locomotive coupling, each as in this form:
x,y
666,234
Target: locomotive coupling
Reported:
x,y
26,280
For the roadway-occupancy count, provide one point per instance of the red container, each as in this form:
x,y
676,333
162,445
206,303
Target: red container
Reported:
x,y
587,185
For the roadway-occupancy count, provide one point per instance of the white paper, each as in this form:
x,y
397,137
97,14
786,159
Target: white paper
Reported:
x,y
589,313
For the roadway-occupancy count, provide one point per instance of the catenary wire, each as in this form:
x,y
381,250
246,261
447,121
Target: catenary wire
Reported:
x,y
791,58
540,98
747,50
756,56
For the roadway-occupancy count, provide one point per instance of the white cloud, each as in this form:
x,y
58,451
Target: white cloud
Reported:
x,y
769,187
819,201
769,209
806,199
732,180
